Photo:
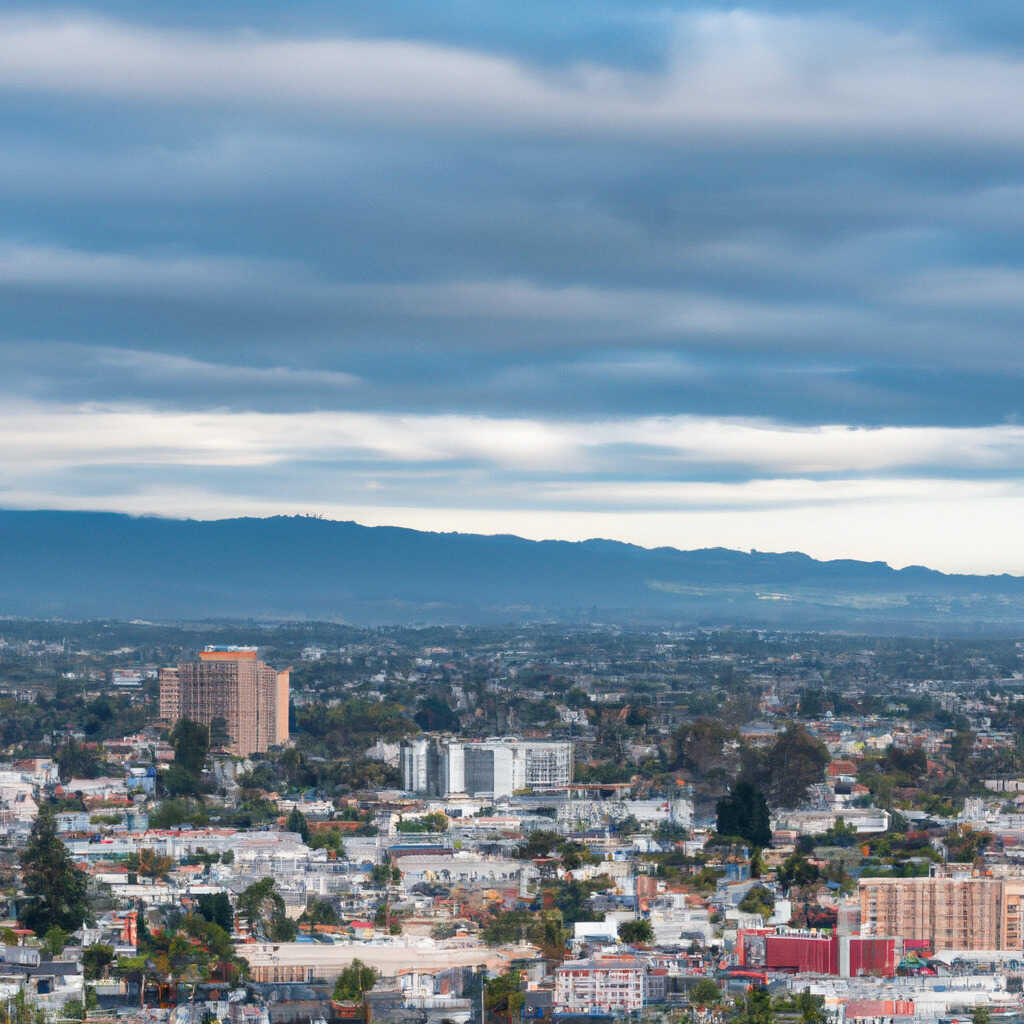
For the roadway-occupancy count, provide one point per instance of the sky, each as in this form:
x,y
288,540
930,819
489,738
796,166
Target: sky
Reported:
x,y
671,273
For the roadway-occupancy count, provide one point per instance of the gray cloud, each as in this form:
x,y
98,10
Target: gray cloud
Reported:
x,y
480,266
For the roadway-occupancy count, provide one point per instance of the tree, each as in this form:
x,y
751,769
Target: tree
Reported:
x,y
981,1015
73,1009
54,941
504,994
744,812
191,742
262,906
216,907
960,747
283,929
757,864
354,982
549,935
297,823
700,747
705,993
506,927
149,863
757,900
812,1008
636,932
328,839
755,1007
435,715
797,761
96,959
797,870
539,843
75,762
56,889
320,912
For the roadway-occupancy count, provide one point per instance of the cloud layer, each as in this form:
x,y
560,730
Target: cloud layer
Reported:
x,y
669,273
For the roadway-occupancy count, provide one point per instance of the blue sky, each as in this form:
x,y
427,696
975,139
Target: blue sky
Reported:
x,y
670,273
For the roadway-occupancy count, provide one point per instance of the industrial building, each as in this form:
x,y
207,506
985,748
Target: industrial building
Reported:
x,y
495,767
231,688
845,956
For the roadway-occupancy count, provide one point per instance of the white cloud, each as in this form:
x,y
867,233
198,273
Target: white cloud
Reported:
x,y
730,70
51,434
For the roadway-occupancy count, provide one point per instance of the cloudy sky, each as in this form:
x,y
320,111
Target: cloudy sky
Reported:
x,y
673,273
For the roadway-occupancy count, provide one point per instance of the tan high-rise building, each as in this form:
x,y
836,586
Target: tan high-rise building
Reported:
x,y
233,685
950,911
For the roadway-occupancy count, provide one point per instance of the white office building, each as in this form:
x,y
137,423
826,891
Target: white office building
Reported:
x,y
495,767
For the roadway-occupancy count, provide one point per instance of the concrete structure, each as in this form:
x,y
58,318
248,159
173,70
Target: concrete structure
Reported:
x,y
614,984
303,961
959,911
233,685
495,767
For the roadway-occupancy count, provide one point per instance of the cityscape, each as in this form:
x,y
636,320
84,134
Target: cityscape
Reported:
x,y
450,823
510,513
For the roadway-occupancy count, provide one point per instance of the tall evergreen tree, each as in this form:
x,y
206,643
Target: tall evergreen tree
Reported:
x,y
744,812
297,823
55,888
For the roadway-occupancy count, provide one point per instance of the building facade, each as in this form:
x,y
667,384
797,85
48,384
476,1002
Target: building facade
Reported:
x,y
493,767
959,911
229,687
616,985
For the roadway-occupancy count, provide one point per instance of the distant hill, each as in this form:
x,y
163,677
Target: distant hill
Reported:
x,y
82,565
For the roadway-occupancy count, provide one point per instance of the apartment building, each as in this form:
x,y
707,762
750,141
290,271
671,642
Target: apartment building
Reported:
x,y
950,910
614,984
495,767
232,687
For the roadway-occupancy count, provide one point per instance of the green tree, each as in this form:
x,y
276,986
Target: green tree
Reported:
x,y
757,900
539,843
191,742
354,982
74,1009
636,932
54,941
755,1008
757,864
328,839
960,747
744,812
810,1007
320,912
96,959
548,933
216,907
56,890
297,823
797,762
705,993
797,870
262,906
981,1015
75,762
504,995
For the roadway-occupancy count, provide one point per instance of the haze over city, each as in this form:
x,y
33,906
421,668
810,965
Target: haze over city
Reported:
x,y
674,274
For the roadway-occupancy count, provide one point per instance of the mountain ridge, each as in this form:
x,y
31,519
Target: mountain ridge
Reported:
x,y
108,564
